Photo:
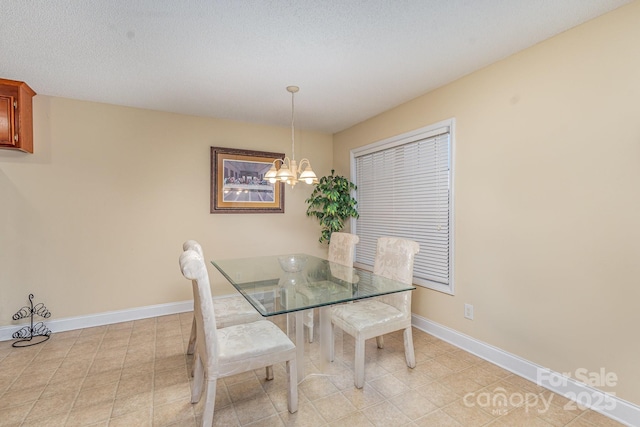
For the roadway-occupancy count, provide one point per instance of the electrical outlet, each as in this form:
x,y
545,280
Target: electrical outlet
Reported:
x,y
468,311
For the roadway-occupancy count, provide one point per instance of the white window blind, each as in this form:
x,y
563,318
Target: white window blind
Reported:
x,y
404,190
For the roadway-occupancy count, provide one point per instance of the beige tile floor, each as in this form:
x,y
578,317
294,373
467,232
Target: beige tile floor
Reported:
x,y
136,374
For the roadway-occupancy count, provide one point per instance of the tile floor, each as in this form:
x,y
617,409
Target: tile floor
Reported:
x,y
136,374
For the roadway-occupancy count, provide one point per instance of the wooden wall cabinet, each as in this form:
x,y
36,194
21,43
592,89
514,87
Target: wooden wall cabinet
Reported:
x,y
16,115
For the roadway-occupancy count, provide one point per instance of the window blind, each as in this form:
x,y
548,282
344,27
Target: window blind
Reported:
x,y
404,190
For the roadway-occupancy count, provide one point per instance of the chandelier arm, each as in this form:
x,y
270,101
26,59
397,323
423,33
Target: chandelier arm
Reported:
x,y
302,162
286,161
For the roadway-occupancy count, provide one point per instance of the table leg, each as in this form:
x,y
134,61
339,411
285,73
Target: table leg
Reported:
x,y
295,323
325,337
300,344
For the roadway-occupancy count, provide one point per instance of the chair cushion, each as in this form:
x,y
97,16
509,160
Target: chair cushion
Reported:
x,y
233,311
251,341
366,314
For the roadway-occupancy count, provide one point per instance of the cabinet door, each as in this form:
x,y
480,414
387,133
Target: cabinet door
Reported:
x,y
6,120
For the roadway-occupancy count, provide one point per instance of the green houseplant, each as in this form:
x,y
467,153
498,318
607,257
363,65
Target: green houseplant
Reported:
x,y
331,203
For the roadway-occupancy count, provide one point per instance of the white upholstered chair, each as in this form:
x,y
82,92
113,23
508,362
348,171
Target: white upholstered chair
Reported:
x,y
341,248
375,317
341,251
233,310
232,350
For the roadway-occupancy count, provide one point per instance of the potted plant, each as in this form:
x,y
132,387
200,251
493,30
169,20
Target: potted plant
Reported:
x,y
331,203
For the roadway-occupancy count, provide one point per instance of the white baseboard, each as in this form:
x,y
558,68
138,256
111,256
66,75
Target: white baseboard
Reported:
x,y
584,395
100,319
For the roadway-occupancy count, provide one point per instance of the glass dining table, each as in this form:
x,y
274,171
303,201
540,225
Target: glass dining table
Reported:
x,y
290,284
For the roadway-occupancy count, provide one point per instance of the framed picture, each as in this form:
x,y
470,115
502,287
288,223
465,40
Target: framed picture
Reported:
x,y
238,184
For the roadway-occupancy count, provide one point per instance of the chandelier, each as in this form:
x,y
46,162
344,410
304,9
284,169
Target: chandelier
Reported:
x,y
289,169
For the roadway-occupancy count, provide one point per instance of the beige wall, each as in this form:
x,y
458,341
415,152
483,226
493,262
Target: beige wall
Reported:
x,y
94,220
547,198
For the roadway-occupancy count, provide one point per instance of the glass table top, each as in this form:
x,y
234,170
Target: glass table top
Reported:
x,y
287,283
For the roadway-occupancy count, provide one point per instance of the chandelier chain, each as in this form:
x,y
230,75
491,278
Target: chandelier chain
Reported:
x,y
293,138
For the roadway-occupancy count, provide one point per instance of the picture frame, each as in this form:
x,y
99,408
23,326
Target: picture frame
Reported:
x,y
238,184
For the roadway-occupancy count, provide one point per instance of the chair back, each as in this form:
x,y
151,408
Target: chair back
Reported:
x,y
394,260
193,268
341,248
193,245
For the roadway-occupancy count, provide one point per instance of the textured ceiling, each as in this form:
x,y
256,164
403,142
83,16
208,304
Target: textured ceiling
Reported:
x,y
233,59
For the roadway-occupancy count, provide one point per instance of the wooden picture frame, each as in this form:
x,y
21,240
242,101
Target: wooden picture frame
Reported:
x,y
238,184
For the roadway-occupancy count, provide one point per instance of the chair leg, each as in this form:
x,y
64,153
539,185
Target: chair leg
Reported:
x,y
269,373
380,341
292,392
409,353
209,403
332,344
192,338
198,379
359,363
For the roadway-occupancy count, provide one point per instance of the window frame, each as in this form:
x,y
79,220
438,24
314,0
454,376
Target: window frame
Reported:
x,y
426,132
